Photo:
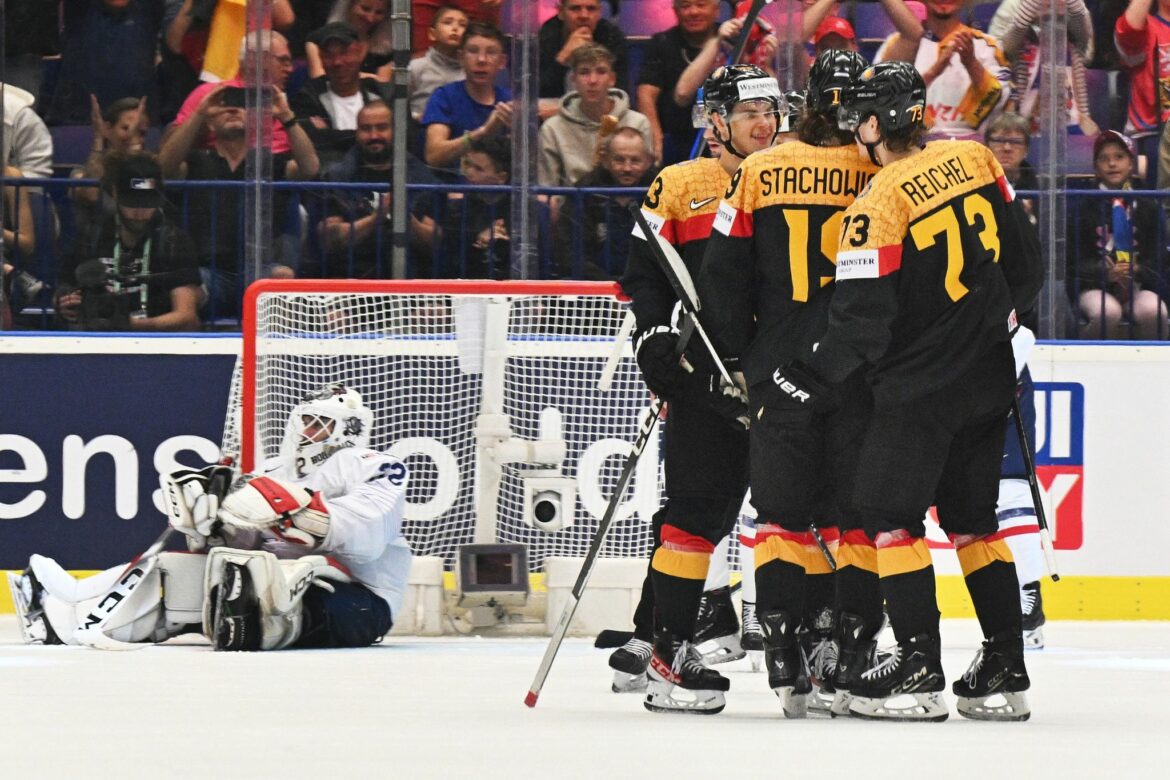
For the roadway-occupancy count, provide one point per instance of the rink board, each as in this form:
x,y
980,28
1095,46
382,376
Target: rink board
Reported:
x,y
66,491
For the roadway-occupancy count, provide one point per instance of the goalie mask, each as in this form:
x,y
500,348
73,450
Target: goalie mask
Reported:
x,y
325,421
733,84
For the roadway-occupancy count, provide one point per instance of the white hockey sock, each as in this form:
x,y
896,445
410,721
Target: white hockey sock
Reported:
x,y
747,558
718,573
1018,524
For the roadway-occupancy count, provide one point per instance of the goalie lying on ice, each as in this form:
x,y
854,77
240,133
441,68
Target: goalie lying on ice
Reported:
x,y
307,552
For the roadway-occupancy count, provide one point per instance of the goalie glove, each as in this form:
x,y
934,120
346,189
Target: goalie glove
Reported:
x,y
290,511
191,500
663,369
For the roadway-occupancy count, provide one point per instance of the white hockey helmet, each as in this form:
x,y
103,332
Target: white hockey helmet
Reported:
x,y
325,421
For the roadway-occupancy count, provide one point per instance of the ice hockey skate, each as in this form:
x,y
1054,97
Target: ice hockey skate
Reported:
x,y
30,613
821,653
1032,607
784,659
856,652
716,628
678,681
752,638
908,685
629,663
993,686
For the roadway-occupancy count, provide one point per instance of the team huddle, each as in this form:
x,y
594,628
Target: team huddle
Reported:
x,y
867,296
865,292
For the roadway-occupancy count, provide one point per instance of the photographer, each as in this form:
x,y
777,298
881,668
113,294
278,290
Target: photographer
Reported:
x,y
134,270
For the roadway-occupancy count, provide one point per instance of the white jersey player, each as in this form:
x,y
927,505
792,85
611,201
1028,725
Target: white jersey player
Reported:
x,y
307,552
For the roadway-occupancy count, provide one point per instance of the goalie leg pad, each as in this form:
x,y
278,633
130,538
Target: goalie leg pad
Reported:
x,y
254,600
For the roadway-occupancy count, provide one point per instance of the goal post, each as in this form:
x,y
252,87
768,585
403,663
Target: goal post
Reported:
x,y
487,390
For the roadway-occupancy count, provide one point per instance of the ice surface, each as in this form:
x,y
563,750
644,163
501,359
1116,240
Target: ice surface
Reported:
x,y
453,708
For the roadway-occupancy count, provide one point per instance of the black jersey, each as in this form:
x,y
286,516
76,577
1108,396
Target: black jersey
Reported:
x,y
772,252
680,206
935,262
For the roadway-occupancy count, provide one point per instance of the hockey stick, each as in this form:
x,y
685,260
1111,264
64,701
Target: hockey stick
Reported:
x,y
745,33
609,638
1034,485
675,271
605,381
91,631
645,429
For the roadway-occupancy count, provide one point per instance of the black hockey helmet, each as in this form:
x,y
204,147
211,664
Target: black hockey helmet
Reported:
x,y
733,84
831,72
894,92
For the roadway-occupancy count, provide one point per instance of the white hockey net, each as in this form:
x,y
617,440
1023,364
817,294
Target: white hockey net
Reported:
x,y
436,359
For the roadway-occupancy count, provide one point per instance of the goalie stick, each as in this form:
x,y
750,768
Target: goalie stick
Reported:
x,y
645,429
1034,485
675,271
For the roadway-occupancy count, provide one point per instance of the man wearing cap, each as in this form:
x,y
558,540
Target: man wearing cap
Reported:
x,y
327,106
134,270
834,33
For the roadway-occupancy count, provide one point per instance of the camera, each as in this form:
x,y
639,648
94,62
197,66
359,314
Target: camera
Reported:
x,y
106,300
549,502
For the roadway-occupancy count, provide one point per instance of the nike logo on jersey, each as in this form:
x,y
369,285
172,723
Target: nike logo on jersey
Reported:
x,y
698,204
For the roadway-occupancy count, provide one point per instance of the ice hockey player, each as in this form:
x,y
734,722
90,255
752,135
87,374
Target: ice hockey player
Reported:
x,y
306,552
765,287
933,265
706,425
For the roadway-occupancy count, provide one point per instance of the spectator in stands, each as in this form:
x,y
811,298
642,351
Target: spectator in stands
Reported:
x,y
327,106
371,20
1008,137
134,270
577,23
423,12
356,232
834,33
311,15
602,223
1142,38
477,231
1114,276
120,129
462,112
107,49
665,57
26,142
1016,27
440,65
595,108
20,242
216,215
278,64
229,22
965,72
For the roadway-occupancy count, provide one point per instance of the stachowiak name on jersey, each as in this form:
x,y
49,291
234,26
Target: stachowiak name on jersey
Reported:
x,y
772,253
680,206
936,263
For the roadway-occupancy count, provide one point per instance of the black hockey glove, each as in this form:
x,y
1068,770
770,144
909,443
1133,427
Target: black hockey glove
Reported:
x,y
795,386
661,367
712,392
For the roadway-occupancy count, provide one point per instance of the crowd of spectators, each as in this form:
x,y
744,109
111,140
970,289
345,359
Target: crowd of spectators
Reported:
x,y
163,83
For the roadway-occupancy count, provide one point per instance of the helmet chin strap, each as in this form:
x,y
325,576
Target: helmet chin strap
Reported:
x,y
869,147
727,144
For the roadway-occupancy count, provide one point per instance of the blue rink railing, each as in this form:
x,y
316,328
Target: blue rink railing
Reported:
x,y
581,233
